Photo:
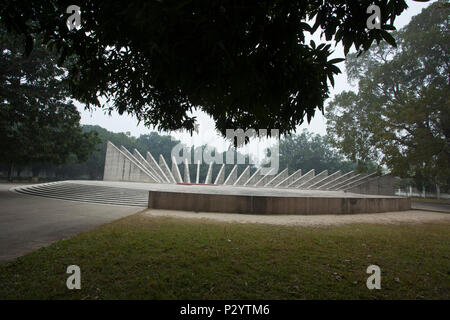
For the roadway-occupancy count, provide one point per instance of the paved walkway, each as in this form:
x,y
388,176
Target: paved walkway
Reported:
x,y
431,206
29,222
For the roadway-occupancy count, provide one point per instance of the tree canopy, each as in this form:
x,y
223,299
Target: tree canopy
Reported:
x,y
37,122
248,64
400,115
308,151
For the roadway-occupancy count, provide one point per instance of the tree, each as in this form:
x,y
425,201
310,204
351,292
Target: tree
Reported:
x,y
307,151
247,64
400,115
37,122
351,127
94,166
157,144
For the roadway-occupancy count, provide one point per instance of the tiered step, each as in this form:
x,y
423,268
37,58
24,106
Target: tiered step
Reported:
x,y
87,193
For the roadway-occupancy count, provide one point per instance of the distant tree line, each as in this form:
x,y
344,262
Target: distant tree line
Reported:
x,y
309,151
93,167
305,151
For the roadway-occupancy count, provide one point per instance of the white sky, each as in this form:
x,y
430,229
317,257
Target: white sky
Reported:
x,y
207,135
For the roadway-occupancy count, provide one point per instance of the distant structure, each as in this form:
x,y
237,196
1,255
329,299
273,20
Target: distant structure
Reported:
x,y
122,165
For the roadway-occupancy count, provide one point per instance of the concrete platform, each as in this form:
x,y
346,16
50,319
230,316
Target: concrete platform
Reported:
x,y
221,198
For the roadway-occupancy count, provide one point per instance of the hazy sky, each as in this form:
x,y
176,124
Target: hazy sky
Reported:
x,y
207,135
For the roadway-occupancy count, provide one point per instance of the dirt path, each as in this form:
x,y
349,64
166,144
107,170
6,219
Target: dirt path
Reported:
x,y
412,217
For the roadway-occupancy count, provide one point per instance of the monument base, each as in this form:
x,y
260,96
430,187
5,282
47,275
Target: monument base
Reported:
x,y
217,198
259,203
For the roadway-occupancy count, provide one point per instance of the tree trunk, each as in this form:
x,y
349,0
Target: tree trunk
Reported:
x,y
93,174
35,171
438,191
10,172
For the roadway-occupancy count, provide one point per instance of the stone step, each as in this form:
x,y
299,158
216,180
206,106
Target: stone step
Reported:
x,y
124,202
89,194
89,190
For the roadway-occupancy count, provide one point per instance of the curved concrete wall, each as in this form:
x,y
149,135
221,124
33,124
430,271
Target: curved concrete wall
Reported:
x,y
201,202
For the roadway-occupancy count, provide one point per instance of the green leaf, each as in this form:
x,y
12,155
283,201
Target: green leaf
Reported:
x,y
389,38
337,60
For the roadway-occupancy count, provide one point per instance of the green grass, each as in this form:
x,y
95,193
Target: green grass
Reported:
x,y
139,257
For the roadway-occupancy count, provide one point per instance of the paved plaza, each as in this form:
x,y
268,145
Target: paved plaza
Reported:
x,y
29,222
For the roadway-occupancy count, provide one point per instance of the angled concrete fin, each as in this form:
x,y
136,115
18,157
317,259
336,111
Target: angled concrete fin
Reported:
x,y
221,175
383,185
357,181
197,176
346,181
163,165
187,176
232,176
278,178
157,168
254,178
145,163
313,180
243,177
141,165
176,171
119,166
209,174
327,179
303,178
287,181
268,176
334,182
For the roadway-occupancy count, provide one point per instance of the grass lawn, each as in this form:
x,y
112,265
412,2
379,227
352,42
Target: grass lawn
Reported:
x,y
141,257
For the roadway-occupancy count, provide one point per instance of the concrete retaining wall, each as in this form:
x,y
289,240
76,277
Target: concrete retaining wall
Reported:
x,y
199,202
